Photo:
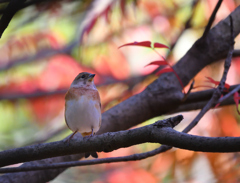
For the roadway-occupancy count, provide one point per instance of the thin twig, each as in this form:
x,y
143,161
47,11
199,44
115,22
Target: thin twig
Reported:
x,y
204,95
210,22
186,107
229,94
236,53
134,157
218,91
189,91
216,95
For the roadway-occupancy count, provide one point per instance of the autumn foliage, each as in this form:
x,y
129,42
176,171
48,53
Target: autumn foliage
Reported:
x,y
127,44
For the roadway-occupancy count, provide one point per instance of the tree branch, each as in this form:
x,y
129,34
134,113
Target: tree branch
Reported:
x,y
159,132
106,142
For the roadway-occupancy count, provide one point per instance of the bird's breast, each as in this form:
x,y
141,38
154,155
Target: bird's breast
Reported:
x,y
82,106
83,114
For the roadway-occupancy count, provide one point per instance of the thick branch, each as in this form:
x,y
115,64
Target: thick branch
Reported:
x,y
106,143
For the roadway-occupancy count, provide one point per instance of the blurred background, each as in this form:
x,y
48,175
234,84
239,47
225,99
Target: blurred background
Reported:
x,y
46,45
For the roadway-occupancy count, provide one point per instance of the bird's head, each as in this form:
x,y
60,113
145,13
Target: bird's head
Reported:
x,y
84,79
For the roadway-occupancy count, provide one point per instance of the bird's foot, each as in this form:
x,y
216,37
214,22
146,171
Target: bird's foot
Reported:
x,y
88,136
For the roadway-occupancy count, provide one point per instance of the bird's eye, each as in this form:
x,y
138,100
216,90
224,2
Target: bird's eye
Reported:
x,y
83,76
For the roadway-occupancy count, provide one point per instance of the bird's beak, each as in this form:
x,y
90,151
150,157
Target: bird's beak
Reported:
x,y
90,77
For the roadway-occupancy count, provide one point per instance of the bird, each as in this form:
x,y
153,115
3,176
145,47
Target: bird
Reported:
x,y
83,107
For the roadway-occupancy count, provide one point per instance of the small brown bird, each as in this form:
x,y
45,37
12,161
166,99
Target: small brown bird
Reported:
x,y
83,107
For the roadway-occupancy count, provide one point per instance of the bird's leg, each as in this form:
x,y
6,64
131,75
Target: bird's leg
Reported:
x,y
68,140
92,133
93,154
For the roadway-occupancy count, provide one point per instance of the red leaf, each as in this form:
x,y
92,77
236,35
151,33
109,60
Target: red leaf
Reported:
x,y
236,100
218,103
161,62
212,81
159,45
143,43
105,13
227,86
90,25
164,71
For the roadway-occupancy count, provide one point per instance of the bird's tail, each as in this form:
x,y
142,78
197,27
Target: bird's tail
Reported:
x,y
93,154
87,154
